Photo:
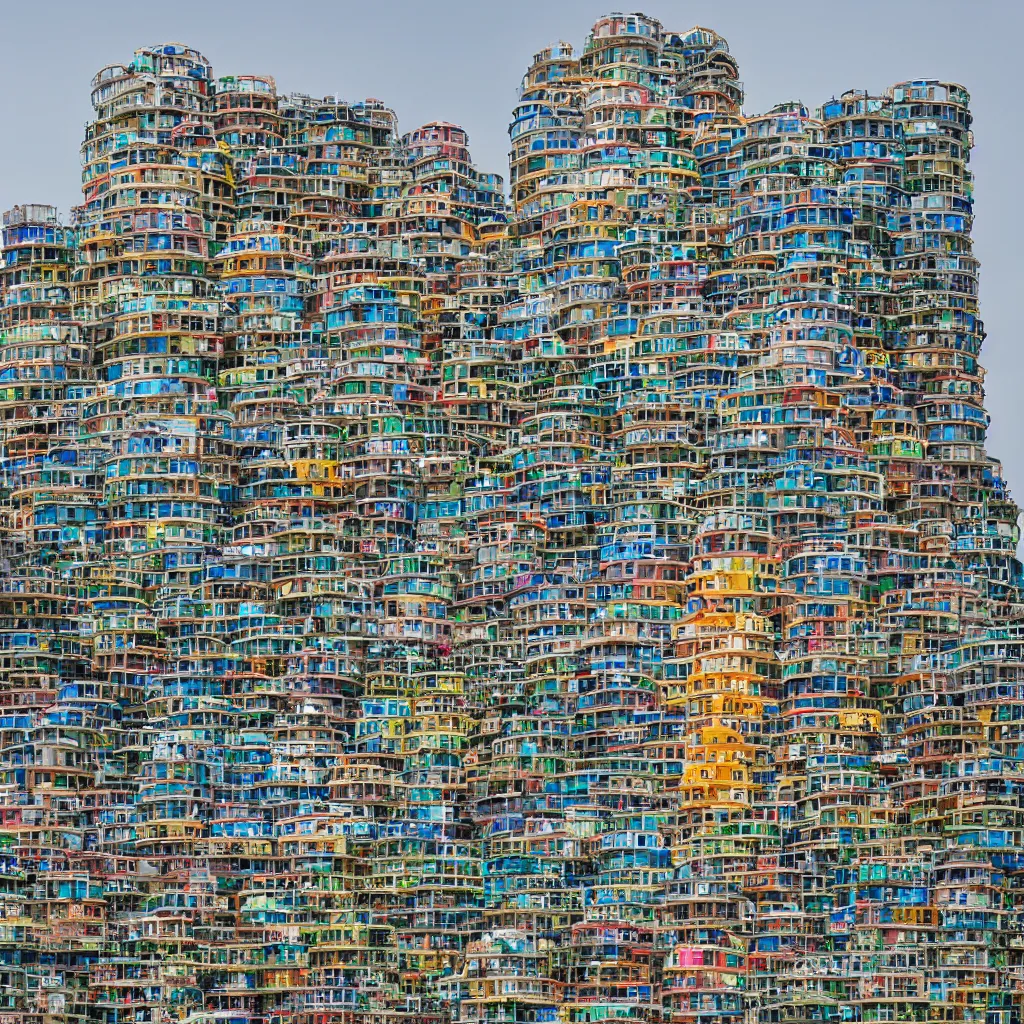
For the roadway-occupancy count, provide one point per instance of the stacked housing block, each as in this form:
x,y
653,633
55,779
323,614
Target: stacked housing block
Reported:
x,y
427,603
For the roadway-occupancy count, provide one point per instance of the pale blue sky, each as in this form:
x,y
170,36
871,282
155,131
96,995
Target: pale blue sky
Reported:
x,y
461,61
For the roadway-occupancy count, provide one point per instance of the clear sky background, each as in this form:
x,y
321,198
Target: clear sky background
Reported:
x,y
461,61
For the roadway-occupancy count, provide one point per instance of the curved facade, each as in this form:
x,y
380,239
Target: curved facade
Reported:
x,y
425,603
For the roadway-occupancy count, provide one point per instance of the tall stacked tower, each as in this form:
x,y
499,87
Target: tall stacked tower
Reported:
x,y
422,605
